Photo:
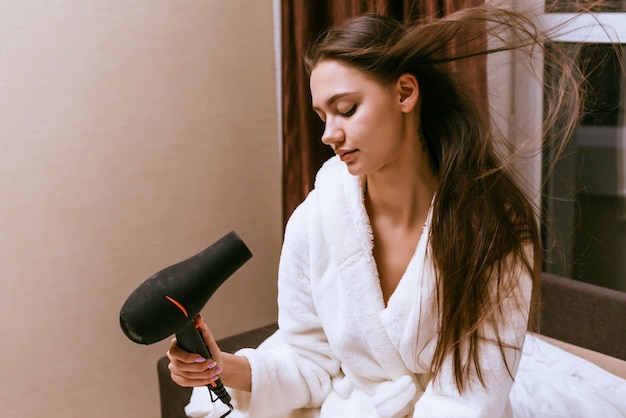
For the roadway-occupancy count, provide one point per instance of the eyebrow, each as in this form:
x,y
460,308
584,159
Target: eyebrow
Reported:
x,y
334,98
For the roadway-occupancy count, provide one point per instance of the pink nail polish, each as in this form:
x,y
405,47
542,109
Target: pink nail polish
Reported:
x,y
212,364
199,359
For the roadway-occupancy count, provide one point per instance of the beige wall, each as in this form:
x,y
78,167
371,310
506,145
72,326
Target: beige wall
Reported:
x,y
132,135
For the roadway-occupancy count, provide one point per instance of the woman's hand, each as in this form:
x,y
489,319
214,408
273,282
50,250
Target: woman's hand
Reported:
x,y
190,369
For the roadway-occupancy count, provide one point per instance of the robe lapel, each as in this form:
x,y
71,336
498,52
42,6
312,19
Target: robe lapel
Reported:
x,y
409,319
349,236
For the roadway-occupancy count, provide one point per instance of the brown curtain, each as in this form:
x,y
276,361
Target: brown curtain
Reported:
x,y
302,21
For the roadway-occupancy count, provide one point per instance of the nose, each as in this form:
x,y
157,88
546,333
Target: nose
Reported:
x,y
332,133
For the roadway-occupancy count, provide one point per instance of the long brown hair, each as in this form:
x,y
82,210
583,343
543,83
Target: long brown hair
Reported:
x,y
483,223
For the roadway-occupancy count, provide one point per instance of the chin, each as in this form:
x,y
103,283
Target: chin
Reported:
x,y
354,169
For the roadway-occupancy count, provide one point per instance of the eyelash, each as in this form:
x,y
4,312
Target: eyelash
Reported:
x,y
345,114
349,112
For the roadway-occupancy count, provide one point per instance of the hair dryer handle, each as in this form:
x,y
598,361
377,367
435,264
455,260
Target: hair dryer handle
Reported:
x,y
189,338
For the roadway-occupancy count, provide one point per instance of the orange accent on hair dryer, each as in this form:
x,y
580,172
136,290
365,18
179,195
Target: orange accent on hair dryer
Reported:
x,y
178,304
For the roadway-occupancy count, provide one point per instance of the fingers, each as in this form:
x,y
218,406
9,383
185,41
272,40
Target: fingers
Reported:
x,y
177,353
190,369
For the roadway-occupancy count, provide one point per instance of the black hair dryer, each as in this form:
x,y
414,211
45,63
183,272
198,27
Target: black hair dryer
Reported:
x,y
168,301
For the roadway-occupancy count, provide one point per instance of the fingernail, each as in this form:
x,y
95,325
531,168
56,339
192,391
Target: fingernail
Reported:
x,y
212,364
218,370
199,359
213,379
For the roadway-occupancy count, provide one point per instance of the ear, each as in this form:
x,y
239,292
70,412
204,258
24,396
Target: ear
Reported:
x,y
408,92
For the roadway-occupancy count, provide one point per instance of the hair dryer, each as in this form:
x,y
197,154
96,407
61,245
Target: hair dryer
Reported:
x,y
168,302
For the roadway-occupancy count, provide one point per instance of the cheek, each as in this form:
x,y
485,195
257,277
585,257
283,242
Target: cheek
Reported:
x,y
382,124
374,124
358,126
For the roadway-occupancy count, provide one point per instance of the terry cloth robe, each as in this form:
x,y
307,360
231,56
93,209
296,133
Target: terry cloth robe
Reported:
x,y
340,352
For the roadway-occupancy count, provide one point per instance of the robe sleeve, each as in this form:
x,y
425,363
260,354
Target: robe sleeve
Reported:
x,y
441,397
294,370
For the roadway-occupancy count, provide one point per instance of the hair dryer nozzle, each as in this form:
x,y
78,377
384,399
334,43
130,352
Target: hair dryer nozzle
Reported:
x,y
169,299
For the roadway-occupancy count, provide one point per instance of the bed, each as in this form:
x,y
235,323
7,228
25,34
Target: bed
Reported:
x,y
581,322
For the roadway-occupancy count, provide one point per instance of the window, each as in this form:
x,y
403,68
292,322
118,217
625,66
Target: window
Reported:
x,y
585,197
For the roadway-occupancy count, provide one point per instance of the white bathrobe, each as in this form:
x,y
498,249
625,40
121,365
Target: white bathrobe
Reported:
x,y
340,352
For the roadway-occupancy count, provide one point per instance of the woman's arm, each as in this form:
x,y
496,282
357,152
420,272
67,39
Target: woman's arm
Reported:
x,y
292,369
295,367
237,373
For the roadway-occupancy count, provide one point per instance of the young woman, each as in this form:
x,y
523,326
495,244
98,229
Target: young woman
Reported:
x,y
407,274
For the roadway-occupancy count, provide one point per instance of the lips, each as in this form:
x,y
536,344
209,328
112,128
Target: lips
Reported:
x,y
345,155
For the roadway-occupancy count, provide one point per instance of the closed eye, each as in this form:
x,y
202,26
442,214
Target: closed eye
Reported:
x,y
349,112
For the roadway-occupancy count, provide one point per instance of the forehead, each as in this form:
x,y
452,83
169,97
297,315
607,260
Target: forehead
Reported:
x,y
330,78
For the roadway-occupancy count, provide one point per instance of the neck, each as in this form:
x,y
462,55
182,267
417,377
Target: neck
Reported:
x,y
404,193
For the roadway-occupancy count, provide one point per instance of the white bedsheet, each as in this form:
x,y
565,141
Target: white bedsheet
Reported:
x,y
550,383
553,383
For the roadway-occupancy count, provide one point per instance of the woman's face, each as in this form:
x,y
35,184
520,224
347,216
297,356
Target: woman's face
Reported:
x,y
364,121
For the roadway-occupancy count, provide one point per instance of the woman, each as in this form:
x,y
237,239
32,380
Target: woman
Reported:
x,y
406,276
